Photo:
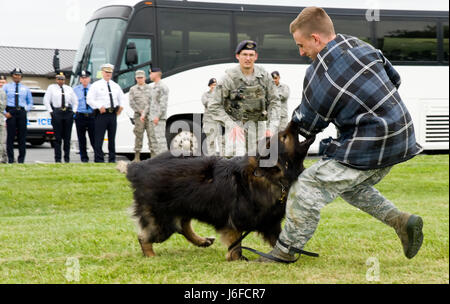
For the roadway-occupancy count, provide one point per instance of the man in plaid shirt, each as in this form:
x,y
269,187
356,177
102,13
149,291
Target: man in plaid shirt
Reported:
x,y
353,86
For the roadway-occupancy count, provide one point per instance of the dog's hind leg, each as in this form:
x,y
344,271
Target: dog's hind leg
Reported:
x,y
191,236
147,248
228,237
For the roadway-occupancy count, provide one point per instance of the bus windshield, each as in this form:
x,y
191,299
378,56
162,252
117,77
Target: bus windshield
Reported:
x,y
100,45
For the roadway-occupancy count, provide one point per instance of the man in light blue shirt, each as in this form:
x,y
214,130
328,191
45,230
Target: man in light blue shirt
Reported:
x,y
85,118
18,103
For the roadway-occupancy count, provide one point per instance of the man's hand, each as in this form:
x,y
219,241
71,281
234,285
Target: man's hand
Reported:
x,y
268,133
142,118
102,110
8,115
156,120
119,111
237,133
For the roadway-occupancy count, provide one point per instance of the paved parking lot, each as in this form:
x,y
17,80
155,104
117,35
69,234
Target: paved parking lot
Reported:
x,y
45,154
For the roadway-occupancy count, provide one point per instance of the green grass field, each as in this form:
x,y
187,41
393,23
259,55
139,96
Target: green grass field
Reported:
x,y
70,224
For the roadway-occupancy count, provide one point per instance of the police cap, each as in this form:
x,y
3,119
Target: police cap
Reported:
x,y
246,45
84,74
107,67
60,76
16,71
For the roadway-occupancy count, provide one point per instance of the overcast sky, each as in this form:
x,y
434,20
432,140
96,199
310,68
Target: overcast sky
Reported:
x,y
60,23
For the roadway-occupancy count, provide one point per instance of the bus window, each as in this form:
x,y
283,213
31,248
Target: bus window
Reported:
x,y
445,26
144,51
205,37
354,27
272,35
104,45
407,40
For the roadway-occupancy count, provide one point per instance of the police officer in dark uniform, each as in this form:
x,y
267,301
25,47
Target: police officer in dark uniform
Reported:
x,y
61,102
19,102
106,98
84,119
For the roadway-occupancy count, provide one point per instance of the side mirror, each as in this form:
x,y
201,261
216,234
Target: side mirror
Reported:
x,y
131,55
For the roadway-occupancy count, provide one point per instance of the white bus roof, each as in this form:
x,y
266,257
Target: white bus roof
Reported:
x,y
430,5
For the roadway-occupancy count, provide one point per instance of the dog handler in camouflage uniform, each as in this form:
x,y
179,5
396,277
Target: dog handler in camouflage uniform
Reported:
x,y
139,97
245,96
158,113
353,86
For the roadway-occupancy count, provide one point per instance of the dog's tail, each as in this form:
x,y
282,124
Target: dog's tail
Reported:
x,y
122,167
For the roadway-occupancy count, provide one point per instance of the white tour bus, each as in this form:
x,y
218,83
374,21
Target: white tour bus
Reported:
x,y
193,41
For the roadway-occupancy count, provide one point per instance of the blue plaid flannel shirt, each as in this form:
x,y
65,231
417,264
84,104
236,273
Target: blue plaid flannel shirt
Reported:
x,y
352,85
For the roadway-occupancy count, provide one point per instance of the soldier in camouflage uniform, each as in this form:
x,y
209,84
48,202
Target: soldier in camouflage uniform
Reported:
x,y
139,97
284,92
245,97
211,128
158,113
3,156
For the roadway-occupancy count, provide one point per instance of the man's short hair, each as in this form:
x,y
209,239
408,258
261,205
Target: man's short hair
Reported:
x,y
313,20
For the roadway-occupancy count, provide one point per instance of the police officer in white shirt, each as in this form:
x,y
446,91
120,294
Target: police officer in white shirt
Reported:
x,y
107,99
61,101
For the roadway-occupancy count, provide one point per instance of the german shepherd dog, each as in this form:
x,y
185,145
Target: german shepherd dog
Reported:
x,y
233,195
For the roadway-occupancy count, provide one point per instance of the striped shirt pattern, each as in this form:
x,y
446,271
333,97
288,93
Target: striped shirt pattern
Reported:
x,y
352,85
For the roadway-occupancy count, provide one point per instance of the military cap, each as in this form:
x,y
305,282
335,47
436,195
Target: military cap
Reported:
x,y
211,81
275,74
140,73
246,45
84,74
60,76
16,71
154,70
107,67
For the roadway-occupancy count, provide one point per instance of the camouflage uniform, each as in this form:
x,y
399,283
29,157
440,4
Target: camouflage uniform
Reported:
x,y
284,92
140,103
245,101
318,186
158,108
211,128
3,156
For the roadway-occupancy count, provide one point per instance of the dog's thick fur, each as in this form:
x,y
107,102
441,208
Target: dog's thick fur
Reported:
x,y
233,195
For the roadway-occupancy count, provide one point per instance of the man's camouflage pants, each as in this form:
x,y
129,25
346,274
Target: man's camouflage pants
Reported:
x,y
318,186
139,129
158,142
214,141
3,155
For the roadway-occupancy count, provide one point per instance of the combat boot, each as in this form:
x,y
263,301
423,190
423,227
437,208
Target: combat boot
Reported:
x,y
276,255
409,229
137,157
